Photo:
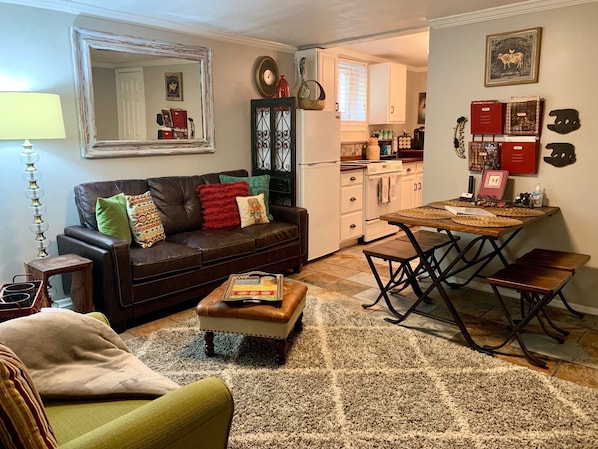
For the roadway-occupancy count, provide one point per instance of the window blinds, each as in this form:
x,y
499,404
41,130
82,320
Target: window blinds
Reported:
x,y
352,90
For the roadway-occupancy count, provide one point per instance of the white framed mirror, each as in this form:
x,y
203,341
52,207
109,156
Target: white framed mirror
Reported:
x,y
140,97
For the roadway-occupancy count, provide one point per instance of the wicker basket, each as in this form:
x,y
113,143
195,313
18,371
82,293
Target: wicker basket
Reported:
x,y
311,95
9,311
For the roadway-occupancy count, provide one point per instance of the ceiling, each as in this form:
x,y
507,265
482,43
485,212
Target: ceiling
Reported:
x,y
392,29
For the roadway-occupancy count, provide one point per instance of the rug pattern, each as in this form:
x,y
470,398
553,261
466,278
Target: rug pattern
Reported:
x,y
356,382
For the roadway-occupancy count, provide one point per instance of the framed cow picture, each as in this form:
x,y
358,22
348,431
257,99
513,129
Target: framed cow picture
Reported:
x,y
512,58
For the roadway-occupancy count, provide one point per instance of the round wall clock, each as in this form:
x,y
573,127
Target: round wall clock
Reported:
x,y
266,76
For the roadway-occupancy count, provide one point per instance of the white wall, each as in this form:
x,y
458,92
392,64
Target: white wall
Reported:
x,y
567,79
37,56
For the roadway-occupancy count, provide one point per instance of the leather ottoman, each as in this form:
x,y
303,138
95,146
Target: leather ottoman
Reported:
x,y
259,320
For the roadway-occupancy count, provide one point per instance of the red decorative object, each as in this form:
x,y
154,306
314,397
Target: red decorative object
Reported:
x,y
283,89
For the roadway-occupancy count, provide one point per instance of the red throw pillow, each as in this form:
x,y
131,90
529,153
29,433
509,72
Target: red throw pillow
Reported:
x,y
219,204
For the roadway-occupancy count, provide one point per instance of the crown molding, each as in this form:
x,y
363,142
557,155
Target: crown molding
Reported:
x,y
502,12
141,20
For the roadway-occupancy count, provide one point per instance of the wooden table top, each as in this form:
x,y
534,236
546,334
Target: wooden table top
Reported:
x,y
450,225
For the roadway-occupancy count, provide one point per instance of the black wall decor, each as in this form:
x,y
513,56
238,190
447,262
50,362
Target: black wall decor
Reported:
x,y
562,154
565,120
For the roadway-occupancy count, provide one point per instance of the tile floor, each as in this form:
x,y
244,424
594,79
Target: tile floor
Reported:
x,y
345,277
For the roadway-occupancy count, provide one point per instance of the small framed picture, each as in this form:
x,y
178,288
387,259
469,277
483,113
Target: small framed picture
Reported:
x,y
494,183
167,118
174,86
512,58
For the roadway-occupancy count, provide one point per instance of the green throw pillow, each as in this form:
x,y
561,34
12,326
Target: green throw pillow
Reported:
x,y
111,215
257,185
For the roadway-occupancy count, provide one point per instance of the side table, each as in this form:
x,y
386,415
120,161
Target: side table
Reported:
x,y
82,281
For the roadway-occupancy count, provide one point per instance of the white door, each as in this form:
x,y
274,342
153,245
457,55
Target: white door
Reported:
x,y
319,192
130,98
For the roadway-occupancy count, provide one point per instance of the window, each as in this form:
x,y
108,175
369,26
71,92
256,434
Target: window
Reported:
x,y
352,90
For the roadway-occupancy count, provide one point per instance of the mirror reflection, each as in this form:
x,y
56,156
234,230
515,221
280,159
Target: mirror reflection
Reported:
x,y
139,97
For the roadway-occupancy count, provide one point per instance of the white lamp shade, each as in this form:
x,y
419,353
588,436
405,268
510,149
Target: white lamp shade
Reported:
x,y
30,115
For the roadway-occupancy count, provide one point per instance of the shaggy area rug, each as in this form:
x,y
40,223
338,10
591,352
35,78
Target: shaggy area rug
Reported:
x,y
355,382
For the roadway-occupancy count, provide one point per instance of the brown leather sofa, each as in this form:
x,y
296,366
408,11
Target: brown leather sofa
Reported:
x,y
130,281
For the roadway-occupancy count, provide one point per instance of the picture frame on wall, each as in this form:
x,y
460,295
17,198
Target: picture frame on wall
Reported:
x,y
174,86
513,57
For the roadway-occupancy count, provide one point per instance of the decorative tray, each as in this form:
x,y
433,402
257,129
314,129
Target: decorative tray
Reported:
x,y
425,212
254,287
486,222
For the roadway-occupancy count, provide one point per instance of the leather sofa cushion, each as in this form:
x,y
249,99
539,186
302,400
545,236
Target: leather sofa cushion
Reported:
x,y
271,234
216,245
177,202
162,259
87,194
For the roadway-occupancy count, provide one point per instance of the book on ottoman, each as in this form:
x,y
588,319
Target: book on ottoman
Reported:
x,y
254,287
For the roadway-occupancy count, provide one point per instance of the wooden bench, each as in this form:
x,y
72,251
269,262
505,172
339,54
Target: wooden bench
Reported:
x,y
537,286
556,259
434,240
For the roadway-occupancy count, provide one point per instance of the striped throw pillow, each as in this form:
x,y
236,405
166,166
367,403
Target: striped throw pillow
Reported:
x,y
23,420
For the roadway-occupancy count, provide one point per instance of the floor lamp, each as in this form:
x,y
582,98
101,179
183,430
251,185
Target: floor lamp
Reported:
x,y
32,115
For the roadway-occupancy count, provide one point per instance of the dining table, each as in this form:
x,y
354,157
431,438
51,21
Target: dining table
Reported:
x,y
487,239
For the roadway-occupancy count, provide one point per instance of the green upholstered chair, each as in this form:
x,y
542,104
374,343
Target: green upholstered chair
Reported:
x,y
196,416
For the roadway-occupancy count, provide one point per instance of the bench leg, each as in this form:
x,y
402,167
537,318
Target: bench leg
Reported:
x,y
209,343
299,324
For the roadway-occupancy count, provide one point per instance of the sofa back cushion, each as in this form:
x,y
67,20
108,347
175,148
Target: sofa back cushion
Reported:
x,y
87,194
177,201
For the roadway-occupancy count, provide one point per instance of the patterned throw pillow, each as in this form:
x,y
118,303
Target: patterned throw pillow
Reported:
x,y
257,185
252,210
144,219
23,420
111,215
219,206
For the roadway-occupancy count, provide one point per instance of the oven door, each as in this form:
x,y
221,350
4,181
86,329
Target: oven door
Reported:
x,y
374,193
374,228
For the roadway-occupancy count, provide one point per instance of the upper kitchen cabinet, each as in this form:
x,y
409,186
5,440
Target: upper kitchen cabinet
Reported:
x,y
387,93
321,66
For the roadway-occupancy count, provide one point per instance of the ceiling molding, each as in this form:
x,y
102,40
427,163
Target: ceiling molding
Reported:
x,y
141,20
502,12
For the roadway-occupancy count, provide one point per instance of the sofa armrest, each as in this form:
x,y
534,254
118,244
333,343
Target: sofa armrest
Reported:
x,y
113,284
296,215
197,416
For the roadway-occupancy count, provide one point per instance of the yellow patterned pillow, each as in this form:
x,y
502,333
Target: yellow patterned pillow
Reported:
x,y
144,220
23,420
252,210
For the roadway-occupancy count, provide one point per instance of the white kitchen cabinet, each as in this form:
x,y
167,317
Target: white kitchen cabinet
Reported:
x,y
387,93
412,182
320,65
351,204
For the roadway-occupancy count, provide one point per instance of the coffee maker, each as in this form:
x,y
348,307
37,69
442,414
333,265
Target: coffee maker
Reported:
x,y
418,138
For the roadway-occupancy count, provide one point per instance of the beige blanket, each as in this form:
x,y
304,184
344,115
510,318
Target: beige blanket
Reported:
x,y
72,355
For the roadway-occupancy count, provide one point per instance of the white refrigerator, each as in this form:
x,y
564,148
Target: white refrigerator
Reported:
x,y
318,137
